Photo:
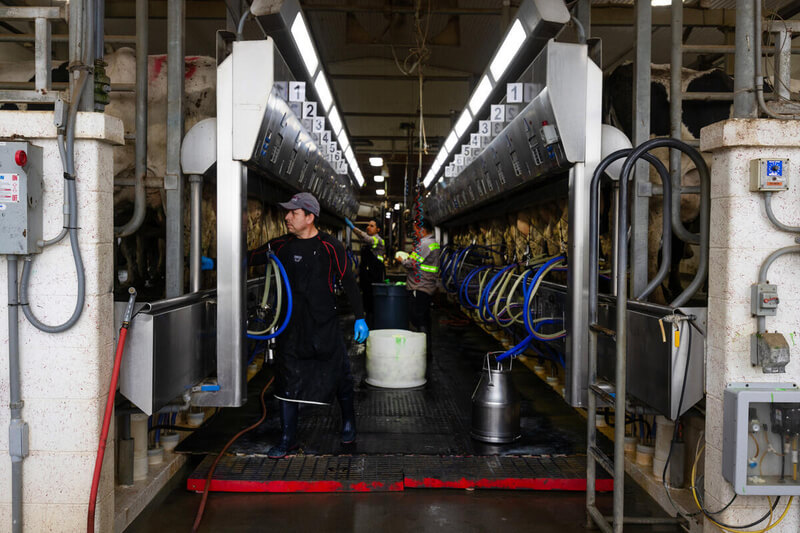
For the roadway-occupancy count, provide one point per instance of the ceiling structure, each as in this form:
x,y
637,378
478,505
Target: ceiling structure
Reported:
x,y
374,51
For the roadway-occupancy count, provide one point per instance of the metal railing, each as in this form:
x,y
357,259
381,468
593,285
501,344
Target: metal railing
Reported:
x,y
43,82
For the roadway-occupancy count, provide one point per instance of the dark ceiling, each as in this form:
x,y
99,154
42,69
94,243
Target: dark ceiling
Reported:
x,y
374,50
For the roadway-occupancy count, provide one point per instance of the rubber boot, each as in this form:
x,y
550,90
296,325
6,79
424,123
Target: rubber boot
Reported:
x,y
288,442
348,417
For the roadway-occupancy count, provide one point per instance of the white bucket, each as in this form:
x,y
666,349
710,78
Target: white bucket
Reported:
x,y
395,358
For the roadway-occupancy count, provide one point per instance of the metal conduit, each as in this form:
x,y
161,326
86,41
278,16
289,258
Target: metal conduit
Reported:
x,y
173,183
761,321
675,114
196,193
140,172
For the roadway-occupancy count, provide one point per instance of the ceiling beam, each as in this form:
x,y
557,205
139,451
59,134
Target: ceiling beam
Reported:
x,y
398,77
622,16
367,114
195,9
390,10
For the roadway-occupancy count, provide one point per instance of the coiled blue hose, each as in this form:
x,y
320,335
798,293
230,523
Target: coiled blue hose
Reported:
x,y
286,319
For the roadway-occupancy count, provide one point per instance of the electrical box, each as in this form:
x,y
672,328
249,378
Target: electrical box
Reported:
x,y
763,299
761,435
20,198
769,175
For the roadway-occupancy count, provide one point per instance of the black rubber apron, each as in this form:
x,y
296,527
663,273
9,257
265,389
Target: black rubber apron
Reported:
x,y
310,353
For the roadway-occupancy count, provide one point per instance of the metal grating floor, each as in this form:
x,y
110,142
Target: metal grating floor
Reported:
x,y
304,473
410,438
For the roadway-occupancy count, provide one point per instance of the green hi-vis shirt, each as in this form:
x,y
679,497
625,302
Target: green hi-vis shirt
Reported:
x,y
423,266
373,243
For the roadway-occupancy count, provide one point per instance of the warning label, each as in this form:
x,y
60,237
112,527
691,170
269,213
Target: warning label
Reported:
x,y
9,188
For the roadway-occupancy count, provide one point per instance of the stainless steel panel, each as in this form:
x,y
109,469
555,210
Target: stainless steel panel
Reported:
x,y
655,367
231,247
169,348
568,97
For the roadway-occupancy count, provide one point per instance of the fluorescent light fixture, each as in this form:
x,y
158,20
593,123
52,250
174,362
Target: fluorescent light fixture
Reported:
x,y
380,192
511,45
463,123
344,142
304,43
376,161
450,143
378,178
662,3
397,206
335,120
428,179
480,95
441,158
357,175
323,90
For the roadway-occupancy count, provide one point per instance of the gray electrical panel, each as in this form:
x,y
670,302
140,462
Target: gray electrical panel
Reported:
x,y
761,430
20,197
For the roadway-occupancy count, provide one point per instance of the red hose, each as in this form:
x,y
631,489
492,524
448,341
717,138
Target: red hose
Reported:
x,y
200,510
101,449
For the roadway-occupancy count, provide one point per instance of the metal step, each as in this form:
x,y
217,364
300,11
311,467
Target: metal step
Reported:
x,y
369,473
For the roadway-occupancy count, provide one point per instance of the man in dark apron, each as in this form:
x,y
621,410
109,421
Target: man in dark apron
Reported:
x,y
311,361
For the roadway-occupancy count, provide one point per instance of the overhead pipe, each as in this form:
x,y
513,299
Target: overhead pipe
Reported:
x,y
140,172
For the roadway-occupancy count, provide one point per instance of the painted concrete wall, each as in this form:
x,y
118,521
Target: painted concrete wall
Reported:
x,y
65,376
741,238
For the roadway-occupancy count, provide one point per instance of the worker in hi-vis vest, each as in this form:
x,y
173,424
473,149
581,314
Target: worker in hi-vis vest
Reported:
x,y
422,278
371,268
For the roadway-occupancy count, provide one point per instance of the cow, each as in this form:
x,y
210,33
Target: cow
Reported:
x,y
141,256
695,114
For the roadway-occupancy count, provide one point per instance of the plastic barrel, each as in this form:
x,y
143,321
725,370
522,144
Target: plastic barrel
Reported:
x,y
395,358
390,305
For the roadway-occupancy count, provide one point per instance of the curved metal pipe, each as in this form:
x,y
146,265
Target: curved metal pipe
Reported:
x,y
142,36
772,218
666,228
761,321
758,78
594,232
705,206
675,111
240,27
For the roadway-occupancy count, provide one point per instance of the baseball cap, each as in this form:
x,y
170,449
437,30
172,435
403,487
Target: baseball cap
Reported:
x,y
302,200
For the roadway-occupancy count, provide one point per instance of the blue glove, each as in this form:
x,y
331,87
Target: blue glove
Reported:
x,y
206,263
361,331
349,223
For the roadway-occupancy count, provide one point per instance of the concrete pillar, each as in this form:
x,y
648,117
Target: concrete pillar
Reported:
x,y
741,238
65,376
